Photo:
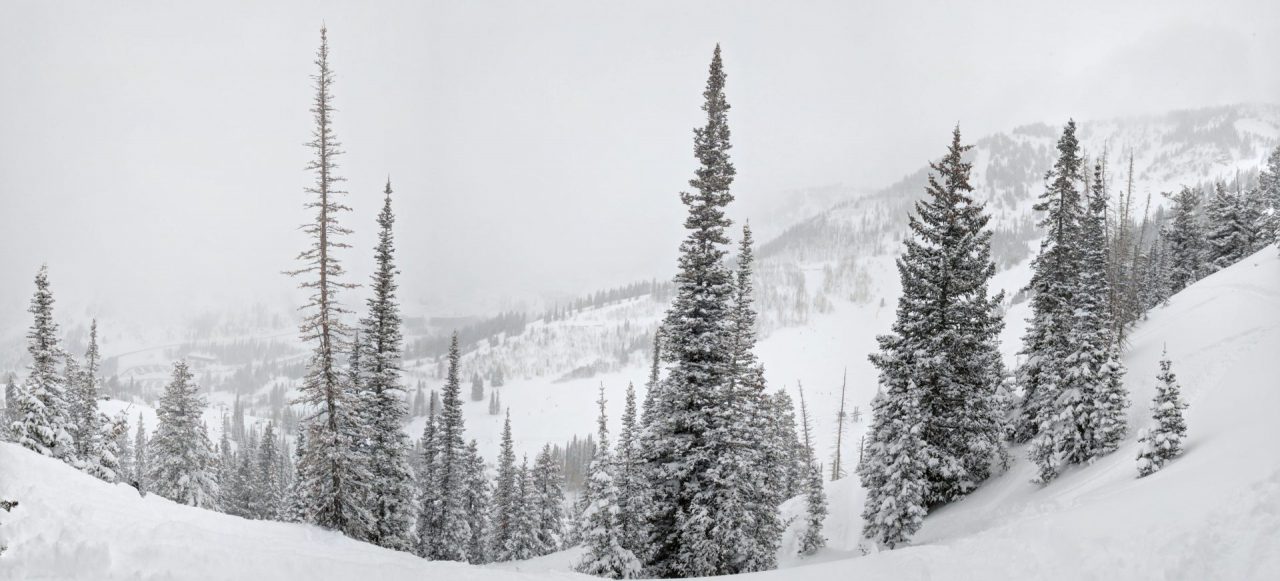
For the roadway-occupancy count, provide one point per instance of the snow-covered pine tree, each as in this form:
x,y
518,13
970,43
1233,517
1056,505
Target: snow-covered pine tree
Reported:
x,y
629,478
419,403
1097,345
653,384
242,492
548,498
141,456
180,461
815,513
331,478
238,433
1052,286
682,443
1088,417
1233,221
224,471
124,449
477,387
1154,286
1186,242
390,500
426,476
505,501
476,504
944,340
495,407
893,469
604,554
748,528
523,542
1163,442
40,406
786,450
294,508
447,533
268,482
10,406
1269,192
97,452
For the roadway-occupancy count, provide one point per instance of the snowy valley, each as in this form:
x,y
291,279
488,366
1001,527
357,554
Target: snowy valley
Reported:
x,y
1047,352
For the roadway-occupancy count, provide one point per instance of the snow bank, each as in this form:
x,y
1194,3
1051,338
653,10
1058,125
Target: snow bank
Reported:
x,y
69,526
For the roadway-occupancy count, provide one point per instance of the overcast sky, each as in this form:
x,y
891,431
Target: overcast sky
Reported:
x,y
152,154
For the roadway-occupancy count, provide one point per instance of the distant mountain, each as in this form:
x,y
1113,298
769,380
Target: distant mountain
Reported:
x,y
820,259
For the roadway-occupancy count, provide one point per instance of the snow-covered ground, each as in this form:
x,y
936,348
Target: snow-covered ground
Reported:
x,y
1212,514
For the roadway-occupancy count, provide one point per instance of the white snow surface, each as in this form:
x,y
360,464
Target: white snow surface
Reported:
x,y
1213,513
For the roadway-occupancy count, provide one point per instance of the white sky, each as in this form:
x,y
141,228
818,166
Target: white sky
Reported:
x,y
152,154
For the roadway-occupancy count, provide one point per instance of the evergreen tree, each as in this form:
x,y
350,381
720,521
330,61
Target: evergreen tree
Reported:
x,y
815,514
1096,368
40,405
10,407
548,498
447,534
295,507
944,340
331,478
124,449
1269,192
477,387
426,483
419,403
391,486
1185,239
893,471
786,451
97,453
1163,442
629,478
237,422
1087,418
505,502
269,482
476,504
683,439
495,407
1155,274
651,387
239,496
1052,286
180,458
1234,221
604,555
141,456
748,529
523,543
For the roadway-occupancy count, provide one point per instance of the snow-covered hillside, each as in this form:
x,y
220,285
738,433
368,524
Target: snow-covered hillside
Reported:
x,y
1212,514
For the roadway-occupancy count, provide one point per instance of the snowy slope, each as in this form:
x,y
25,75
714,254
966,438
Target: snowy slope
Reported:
x,y
69,526
1212,514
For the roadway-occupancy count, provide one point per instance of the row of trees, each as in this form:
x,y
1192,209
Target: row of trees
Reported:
x,y
945,407
54,411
